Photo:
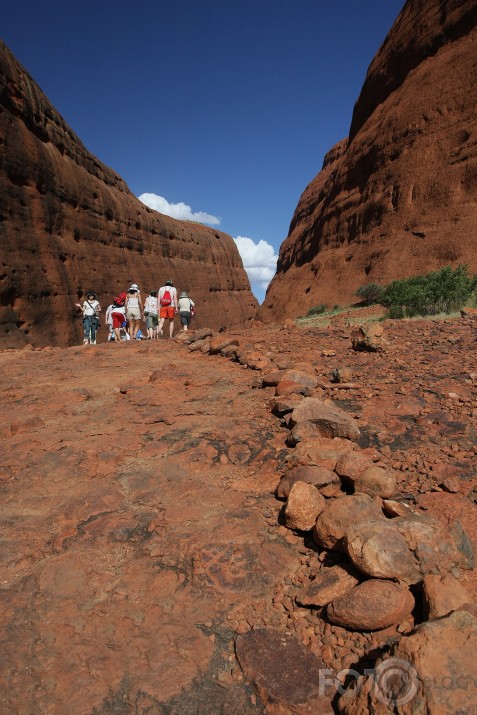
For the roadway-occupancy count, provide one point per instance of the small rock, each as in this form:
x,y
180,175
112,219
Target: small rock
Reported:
x,y
330,583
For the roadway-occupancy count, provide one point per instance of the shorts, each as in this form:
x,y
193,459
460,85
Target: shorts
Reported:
x,y
152,320
168,311
118,319
134,313
185,318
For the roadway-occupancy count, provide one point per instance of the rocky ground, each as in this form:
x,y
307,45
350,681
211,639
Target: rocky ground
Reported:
x,y
147,565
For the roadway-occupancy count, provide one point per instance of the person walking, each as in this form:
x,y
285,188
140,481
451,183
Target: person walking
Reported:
x,y
133,309
150,313
186,309
167,302
91,309
118,316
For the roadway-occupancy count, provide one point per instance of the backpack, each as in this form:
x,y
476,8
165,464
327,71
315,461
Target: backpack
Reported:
x,y
166,298
120,300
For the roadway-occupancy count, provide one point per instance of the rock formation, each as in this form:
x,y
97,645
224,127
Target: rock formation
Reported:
x,y
68,223
397,198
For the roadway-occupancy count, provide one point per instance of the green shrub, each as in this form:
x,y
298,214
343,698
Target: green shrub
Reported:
x,y
370,293
442,291
317,310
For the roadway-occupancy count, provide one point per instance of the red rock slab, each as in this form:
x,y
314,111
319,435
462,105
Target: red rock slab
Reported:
x,y
284,673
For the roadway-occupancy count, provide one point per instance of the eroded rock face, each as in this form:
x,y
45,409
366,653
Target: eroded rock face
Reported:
x,y
388,199
70,224
436,665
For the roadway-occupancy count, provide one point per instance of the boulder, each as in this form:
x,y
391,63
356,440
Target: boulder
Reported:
x,y
340,515
368,338
330,583
304,505
435,548
303,378
272,378
319,477
201,334
230,352
220,342
256,361
285,403
341,374
431,671
330,419
199,344
284,673
371,606
443,594
396,508
321,452
289,387
376,481
377,549
352,464
302,432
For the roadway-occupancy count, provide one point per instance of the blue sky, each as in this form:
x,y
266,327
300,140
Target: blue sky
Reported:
x,y
224,106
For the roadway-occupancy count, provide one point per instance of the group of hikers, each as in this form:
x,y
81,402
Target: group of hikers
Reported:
x,y
125,313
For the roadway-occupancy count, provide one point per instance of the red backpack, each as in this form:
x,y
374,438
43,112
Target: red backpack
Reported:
x,y
166,298
120,299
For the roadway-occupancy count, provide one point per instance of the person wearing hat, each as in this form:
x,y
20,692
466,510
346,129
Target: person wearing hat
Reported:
x,y
167,303
186,309
133,309
90,309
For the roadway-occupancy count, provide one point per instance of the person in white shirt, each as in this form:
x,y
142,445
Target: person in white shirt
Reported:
x,y
133,309
186,309
167,304
90,309
150,313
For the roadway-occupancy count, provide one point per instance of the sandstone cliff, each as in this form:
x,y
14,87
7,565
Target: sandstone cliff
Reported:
x,y
68,223
400,196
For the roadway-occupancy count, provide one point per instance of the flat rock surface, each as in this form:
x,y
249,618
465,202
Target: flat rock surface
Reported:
x,y
140,534
134,545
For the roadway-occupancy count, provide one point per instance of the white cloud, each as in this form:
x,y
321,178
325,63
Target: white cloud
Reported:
x,y
259,260
181,210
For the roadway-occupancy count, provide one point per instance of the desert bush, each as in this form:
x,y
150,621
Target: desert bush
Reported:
x,y
316,310
442,291
370,293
